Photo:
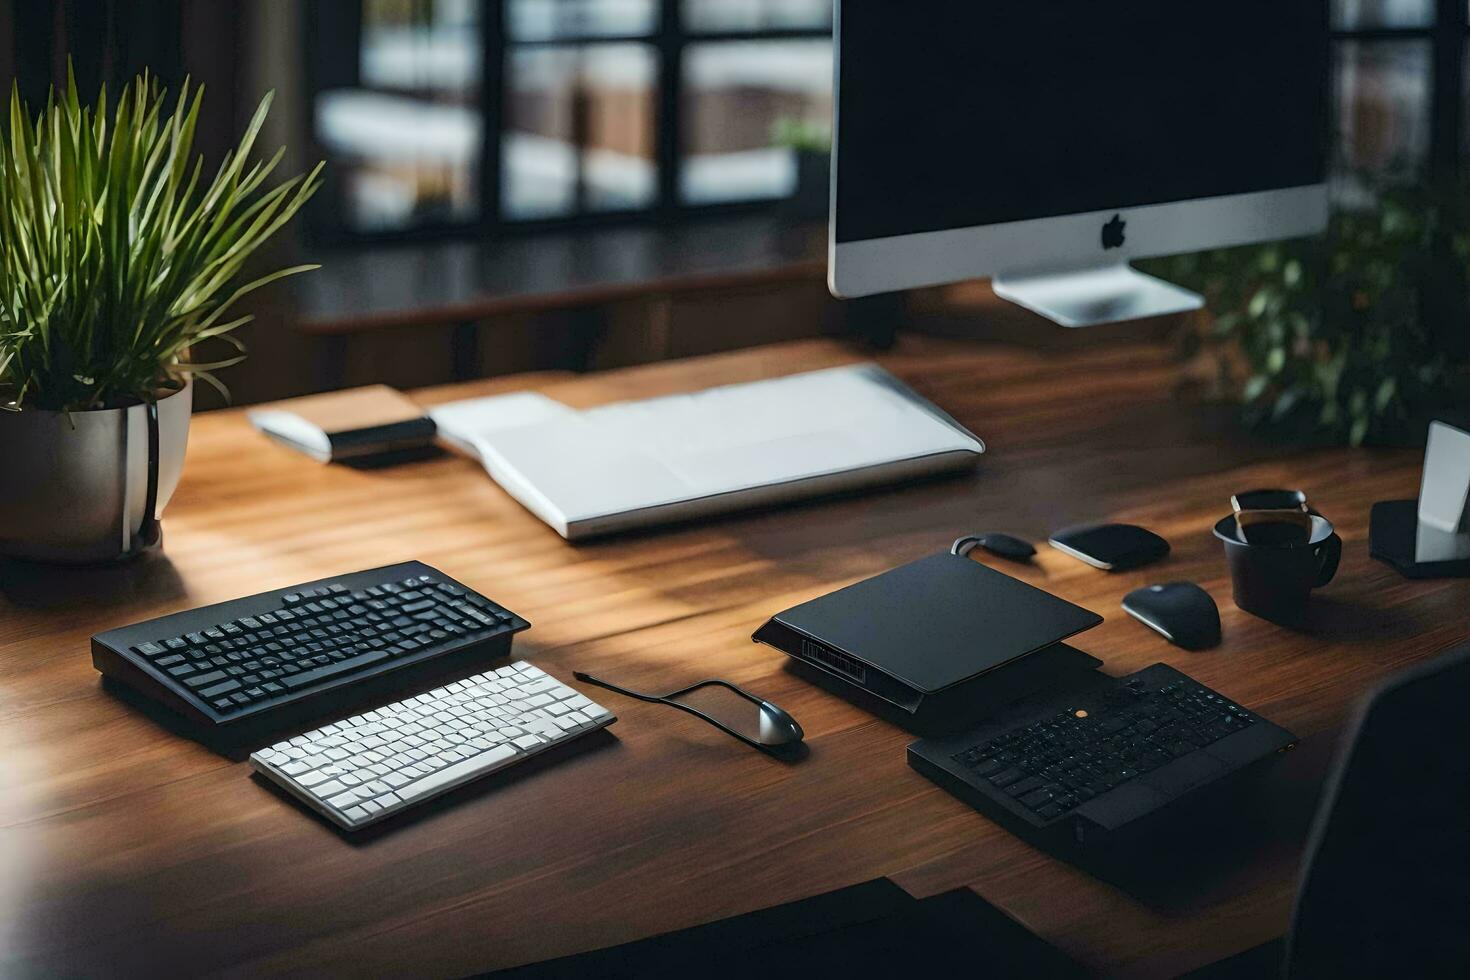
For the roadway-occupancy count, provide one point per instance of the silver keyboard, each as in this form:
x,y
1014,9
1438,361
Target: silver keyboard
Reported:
x,y
362,769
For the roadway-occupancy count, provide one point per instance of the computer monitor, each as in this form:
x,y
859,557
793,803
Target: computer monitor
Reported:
x,y
1046,143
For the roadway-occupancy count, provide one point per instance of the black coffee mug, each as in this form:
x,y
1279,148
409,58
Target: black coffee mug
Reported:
x,y
1275,580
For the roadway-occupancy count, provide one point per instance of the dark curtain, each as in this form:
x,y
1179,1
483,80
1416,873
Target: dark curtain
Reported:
x,y
112,41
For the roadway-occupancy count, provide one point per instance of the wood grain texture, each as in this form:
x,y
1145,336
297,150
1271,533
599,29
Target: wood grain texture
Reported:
x,y
129,850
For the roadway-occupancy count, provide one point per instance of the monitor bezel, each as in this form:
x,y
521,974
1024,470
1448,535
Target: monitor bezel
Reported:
x,y
1061,243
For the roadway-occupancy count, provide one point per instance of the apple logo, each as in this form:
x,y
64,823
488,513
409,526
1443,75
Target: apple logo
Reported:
x,y
1112,232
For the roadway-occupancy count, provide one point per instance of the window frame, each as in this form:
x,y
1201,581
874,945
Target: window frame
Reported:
x,y
669,40
1447,35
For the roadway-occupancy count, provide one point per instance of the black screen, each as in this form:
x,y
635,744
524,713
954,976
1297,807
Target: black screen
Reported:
x,y
956,113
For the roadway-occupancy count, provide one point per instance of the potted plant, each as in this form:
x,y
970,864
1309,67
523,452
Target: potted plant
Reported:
x,y
1358,335
811,146
119,259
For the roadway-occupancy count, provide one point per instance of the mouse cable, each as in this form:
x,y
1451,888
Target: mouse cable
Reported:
x,y
963,546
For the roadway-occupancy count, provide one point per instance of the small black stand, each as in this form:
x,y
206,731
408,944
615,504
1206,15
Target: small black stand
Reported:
x,y
1393,527
1437,525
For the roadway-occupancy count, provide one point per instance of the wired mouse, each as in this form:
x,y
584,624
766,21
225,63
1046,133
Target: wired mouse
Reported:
x,y
1002,545
777,727
1180,612
775,730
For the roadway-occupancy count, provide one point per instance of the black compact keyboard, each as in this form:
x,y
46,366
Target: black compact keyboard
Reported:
x,y
253,657
1109,751
1064,760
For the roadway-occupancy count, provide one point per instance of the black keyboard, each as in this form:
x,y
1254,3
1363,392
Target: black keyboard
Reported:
x,y
252,657
1109,751
1053,765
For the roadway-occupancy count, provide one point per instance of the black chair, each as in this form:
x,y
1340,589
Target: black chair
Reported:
x,y
1385,888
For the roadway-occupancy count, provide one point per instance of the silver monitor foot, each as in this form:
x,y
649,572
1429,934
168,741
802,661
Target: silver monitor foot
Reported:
x,y
1091,297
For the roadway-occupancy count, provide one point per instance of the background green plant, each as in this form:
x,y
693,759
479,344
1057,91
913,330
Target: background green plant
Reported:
x,y
115,260
1352,336
802,135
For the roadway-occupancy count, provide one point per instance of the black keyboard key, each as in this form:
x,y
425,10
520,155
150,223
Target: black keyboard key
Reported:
x,y
309,677
1035,798
150,649
220,689
202,680
1006,777
1023,786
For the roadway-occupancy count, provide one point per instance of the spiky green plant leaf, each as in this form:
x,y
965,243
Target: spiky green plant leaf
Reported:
x,y
116,261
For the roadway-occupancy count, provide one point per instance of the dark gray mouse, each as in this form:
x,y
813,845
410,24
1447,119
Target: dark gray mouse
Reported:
x,y
1181,612
777,727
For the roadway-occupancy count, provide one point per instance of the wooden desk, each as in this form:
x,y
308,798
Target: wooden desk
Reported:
x,y
127,850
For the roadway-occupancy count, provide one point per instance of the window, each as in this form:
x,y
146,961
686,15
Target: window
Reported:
x,y
474,115
397,111
1398,85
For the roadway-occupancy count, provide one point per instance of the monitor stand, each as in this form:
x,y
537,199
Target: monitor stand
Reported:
x,y
1090,297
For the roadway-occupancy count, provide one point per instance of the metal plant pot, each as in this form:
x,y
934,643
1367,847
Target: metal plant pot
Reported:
x,y
74,487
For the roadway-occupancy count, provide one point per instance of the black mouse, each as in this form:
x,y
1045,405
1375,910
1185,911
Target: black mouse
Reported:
x,y
1007,546
1111,547
1182,612
1004,545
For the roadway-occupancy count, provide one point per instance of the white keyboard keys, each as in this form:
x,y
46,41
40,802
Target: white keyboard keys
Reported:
x,y
368,767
